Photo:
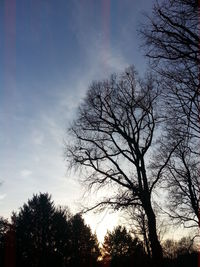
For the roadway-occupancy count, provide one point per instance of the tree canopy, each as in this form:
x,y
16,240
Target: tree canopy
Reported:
x,y
171,41
120,248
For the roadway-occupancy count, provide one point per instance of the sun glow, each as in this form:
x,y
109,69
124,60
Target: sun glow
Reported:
x,y
103,222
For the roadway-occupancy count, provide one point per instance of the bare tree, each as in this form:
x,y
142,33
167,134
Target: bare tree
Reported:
x,y
139,226
173,248
183,186
113,139
171,41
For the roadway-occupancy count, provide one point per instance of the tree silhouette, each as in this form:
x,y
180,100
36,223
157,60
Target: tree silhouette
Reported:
x,y
180,253
62,235
171,40
42,233
112,138
120,248
4,229
139,226
50,236
84,246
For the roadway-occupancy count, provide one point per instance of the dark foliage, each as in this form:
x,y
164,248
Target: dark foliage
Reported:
x,y
84,245
4,229
121,249
185,260
41,235
40,230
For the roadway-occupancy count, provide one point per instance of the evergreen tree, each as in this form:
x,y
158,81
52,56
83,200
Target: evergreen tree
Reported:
x,y
85,249
42,233
4,228
120,248
47,236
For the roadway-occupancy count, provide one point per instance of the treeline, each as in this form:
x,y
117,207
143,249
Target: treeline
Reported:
x,y
42,235
121,248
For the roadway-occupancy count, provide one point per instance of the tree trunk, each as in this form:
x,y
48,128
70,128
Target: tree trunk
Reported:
x,y
156,249
145,235
146,241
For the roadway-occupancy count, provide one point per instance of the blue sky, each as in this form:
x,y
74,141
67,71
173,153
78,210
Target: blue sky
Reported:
x,y
50,52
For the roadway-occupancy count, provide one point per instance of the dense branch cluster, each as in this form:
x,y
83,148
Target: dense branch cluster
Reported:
x,y
172,44
115,129
171,41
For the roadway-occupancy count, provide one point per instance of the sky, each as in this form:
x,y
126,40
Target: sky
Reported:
x,y
50,52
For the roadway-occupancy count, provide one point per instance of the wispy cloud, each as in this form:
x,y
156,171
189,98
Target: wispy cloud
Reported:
x,y
38,137
2,196
26,173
